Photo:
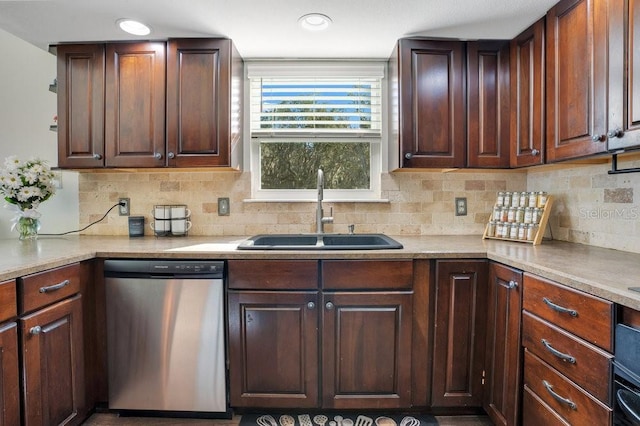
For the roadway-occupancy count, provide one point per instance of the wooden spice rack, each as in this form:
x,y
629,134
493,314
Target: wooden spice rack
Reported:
x,y
542,226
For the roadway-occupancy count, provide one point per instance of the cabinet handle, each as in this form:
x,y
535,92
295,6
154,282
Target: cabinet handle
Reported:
x,y
559,398
535,152
598,138
329,306
97,157
157,156
311,305
559,308
618,133
565,357
408,155
35,330
55,287
171,154
512,284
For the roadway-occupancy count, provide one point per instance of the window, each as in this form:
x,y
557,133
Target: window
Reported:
x,y
308,116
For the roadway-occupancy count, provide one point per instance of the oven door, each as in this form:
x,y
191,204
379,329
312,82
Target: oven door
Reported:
x,y
627,403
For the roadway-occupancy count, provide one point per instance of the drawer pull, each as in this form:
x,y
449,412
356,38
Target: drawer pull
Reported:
x,y
559,308
568,358
55,287
559,398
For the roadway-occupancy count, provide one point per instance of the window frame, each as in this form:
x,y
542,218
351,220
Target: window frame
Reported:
x,y
318,69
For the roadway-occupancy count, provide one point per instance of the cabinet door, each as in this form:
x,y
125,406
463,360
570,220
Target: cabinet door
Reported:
x,y
503,356
9,385
80,105
488,104
459,340
576,78
135,105
527,97
624,73
53,364
273,349
198,102
432,103
366,350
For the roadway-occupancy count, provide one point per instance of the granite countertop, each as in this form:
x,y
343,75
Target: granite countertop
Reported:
x,y
601,272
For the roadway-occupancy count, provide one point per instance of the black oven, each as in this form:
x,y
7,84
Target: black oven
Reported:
x,y
626,373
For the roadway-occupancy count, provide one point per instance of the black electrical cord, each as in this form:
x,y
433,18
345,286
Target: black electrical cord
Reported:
x,y
91,224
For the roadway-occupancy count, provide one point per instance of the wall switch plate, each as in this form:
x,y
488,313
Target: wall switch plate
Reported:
x,y
124,210
461,206
223,206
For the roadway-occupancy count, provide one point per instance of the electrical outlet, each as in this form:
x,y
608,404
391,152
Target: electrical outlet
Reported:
x,y
124,209
461,206
57,179
223,206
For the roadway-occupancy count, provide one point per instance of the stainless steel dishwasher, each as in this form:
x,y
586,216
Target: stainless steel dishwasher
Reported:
x,y
165,336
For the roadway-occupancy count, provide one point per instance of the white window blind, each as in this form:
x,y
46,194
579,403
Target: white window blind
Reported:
x,y
345,106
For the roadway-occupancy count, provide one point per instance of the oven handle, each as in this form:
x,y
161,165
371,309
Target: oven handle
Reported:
x,y
559,398
623,396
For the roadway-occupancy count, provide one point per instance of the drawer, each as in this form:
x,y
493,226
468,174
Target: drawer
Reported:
x,y
567,399
536,413
584,315
273,274
590,366
44,288
367,274
8,300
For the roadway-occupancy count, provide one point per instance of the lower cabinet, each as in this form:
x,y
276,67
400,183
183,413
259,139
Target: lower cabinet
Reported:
x,y
503,360
286,345
460,330
9,384
51,347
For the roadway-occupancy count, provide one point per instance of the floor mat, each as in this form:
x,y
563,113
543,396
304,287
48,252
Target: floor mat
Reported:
x,y
337,419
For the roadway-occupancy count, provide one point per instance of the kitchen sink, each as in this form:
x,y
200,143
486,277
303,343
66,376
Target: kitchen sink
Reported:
x,y
319,242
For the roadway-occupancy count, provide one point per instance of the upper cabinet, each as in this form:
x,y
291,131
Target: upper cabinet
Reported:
x,y
134,105
488,104
428,100
527,97
204,89
149,104
576,65
624,74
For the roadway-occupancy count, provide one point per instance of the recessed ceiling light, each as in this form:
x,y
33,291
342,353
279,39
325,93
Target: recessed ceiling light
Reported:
x,y
133,27
314,22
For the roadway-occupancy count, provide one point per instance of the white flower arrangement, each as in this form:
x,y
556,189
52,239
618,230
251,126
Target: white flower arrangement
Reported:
x,y
24,185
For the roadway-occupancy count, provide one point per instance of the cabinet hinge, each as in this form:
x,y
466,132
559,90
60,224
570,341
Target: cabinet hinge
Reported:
x,y
483,376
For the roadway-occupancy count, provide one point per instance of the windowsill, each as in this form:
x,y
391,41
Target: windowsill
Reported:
x,y
326,200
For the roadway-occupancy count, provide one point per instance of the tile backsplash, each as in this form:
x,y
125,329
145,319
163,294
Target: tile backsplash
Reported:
x,y
591,207
419,203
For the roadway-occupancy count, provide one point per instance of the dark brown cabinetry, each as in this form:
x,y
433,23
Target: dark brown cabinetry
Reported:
x,y
430,96
460,330
503,357
275,334
488,104
117,101
624,78
80,105
567,339
204,82
527,97
9,382
135,104
51,347
576,75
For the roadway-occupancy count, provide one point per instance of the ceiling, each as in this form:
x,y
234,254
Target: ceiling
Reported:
x,y
269,28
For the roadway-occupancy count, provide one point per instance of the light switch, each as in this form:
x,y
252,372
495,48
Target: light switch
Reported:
x,y
461,206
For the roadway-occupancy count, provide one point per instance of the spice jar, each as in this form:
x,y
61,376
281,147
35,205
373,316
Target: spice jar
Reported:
x,y
524,199
531,231
542,199
491,229
513,231
519,215
522,231
515,199
500,201
533,199
528,215
511,214
506,201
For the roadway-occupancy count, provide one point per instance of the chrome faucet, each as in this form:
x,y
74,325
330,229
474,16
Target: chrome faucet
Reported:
x,y
320,218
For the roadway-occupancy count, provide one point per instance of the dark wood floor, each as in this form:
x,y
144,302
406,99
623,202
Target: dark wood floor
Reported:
x,y
102,419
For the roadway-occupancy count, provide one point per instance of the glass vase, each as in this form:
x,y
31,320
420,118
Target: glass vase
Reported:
x,y
28,228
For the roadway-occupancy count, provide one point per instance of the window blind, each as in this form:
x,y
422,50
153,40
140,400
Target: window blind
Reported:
x,y
329,105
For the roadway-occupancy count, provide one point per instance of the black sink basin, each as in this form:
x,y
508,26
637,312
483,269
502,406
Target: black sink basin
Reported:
x,y
319,242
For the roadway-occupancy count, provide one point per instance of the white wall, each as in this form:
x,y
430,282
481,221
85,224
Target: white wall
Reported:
x,y
27,108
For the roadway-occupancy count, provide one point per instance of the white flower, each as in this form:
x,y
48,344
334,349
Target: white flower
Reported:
x,y
12,163
26,184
